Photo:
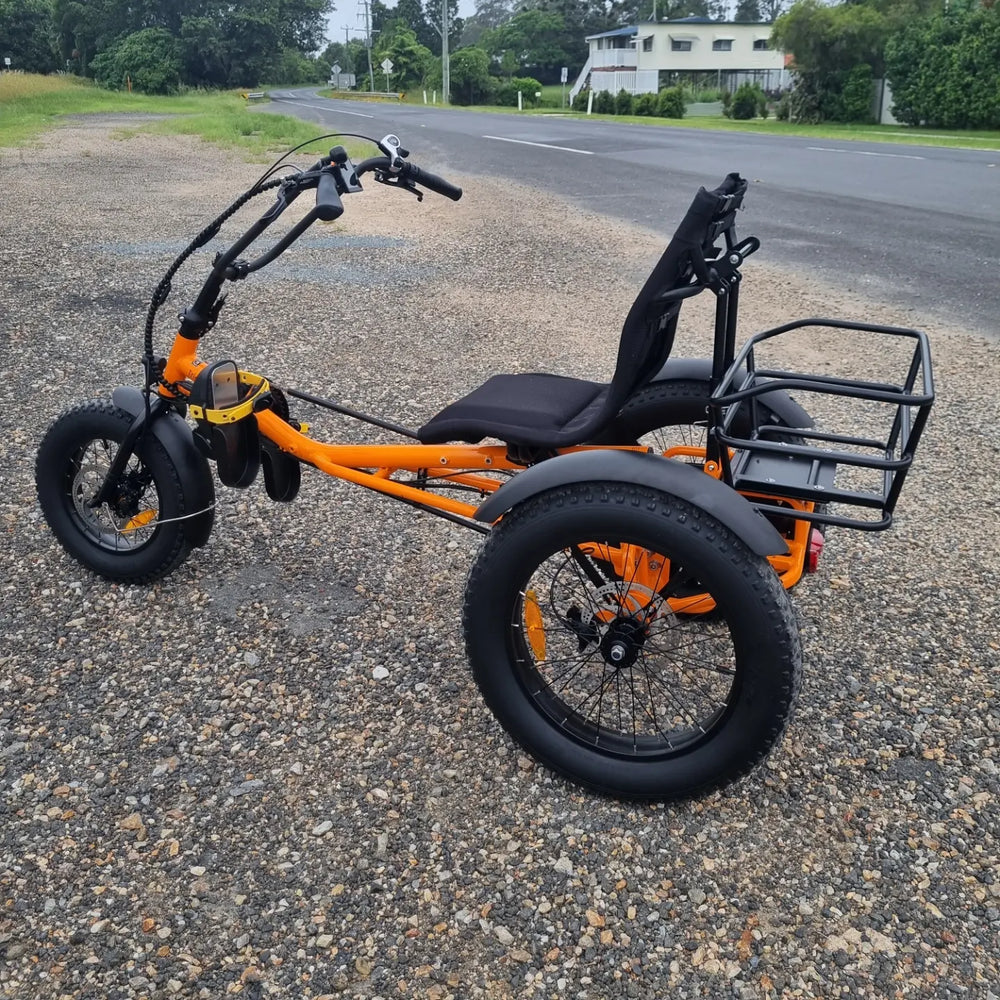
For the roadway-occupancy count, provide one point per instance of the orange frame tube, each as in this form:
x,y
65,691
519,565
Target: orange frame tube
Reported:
x,y
372,466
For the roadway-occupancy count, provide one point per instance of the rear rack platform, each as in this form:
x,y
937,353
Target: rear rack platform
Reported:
x,y
825,467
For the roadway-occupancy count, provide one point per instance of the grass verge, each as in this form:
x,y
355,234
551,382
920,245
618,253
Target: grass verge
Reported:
x,y
30,105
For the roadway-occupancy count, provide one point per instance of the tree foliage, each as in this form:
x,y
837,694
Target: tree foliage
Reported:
x,y
147,60
944,70
218,43
532,40
827,44
27,34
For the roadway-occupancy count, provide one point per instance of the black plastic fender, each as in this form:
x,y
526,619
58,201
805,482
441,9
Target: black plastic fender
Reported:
x,y
700,370
640,469
177,439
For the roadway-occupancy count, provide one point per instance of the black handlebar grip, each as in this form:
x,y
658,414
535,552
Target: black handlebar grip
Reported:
x,y
432,182
328,203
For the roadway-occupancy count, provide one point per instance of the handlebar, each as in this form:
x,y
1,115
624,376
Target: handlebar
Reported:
x,y
332,176
411,174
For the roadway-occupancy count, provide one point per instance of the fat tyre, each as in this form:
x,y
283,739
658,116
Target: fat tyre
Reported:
x,y
662,415
137,538
613,678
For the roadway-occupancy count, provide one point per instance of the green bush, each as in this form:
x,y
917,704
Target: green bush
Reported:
x,y
856,96
783,111
604,103
943,70
670,103
645,104
581,99
149,58
624,103
506,92
748,102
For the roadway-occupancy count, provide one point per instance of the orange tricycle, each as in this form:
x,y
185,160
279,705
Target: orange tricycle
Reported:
x,y
627,618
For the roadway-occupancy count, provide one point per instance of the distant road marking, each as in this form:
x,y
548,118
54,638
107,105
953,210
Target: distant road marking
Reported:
x,y
540,145
326,107
865,152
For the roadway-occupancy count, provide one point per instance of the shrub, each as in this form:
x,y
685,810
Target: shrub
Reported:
x,y
856,96
581,99
783,111
506,93
150,58
748,102
604,103
624,103
645,104
670,103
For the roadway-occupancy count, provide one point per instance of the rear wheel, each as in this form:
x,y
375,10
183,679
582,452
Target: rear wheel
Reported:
x,y
137,537
584,632
664,415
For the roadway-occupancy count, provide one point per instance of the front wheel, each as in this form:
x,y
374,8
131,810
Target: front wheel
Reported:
x,y
584,627
138,536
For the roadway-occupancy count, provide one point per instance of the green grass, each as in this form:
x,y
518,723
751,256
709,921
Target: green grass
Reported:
x,y
30,105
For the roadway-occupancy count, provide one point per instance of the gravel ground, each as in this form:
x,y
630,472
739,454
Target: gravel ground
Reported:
x,y
203,789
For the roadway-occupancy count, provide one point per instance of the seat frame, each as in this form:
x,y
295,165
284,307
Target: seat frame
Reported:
x,y
546,411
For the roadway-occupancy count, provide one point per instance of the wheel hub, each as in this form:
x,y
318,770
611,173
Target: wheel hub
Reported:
x,y
623,642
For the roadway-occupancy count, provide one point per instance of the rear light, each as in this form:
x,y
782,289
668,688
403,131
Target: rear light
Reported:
x,y
815,550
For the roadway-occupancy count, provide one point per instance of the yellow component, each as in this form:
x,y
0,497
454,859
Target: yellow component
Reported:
x,y
139,521
231,414
533,621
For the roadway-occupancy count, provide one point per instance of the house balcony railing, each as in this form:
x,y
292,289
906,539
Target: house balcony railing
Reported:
x,y
613,59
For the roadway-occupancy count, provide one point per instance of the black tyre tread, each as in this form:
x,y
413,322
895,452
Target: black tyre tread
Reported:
x,y
66,432
787,669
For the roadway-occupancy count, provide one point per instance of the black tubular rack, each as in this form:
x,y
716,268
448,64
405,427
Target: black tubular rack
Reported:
x,y
811,465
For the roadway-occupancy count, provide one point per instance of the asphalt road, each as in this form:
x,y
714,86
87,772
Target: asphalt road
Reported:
x,y
916,226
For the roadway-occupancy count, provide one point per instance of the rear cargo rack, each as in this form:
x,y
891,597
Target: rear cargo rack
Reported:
x,y
824,467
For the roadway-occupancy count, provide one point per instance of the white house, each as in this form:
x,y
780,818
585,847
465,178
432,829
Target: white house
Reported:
x,y
645,57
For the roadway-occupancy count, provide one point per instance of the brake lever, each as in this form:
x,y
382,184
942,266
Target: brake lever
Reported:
x,y
397,181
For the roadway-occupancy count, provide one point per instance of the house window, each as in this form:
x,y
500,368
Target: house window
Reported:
x,y
647,44
760,45
680,44
722,45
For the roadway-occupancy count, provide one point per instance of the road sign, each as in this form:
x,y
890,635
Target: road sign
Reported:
x,y
335,68
565,74
387,65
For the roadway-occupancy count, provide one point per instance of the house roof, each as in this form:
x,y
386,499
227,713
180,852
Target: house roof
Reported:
x,y
617,33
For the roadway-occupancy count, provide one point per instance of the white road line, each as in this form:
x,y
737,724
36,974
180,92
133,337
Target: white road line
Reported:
x,y
865,152
540,145
326,107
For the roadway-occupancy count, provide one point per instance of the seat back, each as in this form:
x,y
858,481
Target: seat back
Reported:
x,y
649,329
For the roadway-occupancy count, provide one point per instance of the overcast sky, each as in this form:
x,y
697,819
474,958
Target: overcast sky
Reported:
x,y
350,14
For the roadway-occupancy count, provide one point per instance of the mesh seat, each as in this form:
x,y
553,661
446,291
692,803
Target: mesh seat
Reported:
x,y
552,411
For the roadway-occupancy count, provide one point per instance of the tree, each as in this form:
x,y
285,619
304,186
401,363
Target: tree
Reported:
x,y
26,32
535,40
826,44
148,58
471,82
410,60
747,11
943,70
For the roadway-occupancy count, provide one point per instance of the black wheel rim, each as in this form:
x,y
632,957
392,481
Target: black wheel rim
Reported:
x,y
130,522
641,665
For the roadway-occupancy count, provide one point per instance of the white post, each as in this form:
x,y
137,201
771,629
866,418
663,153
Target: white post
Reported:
x,y
520,106
590,102
434,97
425,97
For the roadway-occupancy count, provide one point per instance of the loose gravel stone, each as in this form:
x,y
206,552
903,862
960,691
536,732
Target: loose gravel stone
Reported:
x,y
205,789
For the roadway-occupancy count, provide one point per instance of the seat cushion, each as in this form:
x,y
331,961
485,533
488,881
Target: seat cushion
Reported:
x,y
531,409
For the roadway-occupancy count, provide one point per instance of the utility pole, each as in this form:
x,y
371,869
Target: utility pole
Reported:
x,y
445,60
368,45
